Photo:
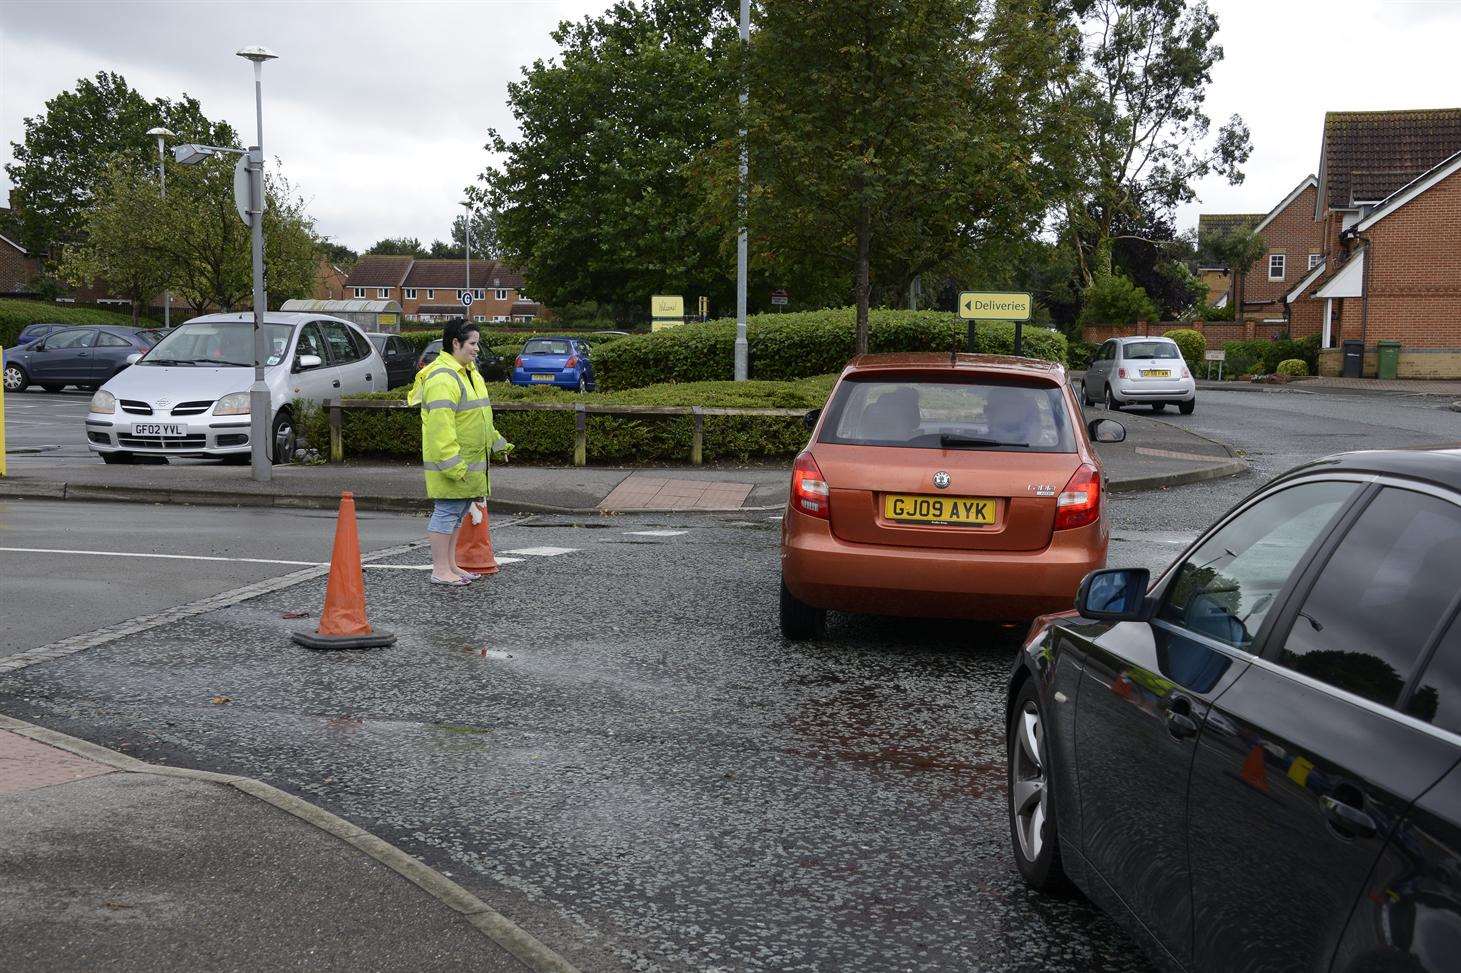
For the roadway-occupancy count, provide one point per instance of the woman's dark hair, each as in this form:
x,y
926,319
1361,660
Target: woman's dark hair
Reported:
x,y
457,329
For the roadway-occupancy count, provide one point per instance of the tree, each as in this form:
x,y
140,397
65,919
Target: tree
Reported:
x,y
1238,249
398,247
596,198
1139,141
1156,258
112,249
337,253
895,138
64,157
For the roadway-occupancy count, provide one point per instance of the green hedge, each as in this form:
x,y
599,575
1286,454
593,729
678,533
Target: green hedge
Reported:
x,y
1078,355
16,314
1292,366
548,436
800,344
1192,344
502,339
1261,356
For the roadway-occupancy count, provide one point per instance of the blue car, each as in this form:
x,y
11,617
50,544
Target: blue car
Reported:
x,y
81,356
564,363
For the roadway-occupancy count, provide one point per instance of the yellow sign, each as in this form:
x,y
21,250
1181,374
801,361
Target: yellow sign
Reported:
x,y
993,306
661,325
667,306
385,319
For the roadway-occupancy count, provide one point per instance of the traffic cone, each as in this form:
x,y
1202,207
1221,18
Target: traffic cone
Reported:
x,y
1254,771
343,624
474,546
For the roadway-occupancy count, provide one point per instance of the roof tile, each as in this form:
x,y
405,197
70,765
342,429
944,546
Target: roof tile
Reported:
x,y
1368,155
378,270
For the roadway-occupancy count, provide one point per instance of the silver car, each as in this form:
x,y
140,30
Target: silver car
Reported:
x,y
189,395
1148,370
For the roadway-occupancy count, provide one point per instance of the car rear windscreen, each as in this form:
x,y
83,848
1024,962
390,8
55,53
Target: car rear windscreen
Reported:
x,y
544,346
987,414
1150,349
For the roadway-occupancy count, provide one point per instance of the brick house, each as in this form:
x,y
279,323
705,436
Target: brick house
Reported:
x,y
1218,278
432,290
329,282
18,269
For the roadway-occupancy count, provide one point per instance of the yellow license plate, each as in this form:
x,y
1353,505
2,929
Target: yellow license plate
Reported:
x,y
961,511
1156,373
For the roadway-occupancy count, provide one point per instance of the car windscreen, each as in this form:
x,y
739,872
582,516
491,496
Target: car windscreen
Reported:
x,y
545,346
219,344
985,414
1150,349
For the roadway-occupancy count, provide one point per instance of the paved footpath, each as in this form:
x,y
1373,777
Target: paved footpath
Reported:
x,y
108,863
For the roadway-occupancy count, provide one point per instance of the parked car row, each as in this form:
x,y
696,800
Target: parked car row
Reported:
x,y
55,356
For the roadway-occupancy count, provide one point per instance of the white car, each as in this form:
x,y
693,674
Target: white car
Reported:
x,y
1150,370
189,395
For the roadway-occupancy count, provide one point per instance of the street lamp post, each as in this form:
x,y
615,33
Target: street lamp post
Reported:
x,y
742,351
260,411
161,134
467,308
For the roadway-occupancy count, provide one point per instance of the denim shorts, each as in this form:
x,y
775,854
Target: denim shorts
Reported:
x,y
447,516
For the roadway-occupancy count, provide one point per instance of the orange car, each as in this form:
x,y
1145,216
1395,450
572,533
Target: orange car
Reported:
x,y
943,486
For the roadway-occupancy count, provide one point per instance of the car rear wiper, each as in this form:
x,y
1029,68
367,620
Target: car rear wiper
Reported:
x,y
954,440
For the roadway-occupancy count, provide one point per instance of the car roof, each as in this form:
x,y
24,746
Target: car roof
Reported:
x,y
551,337
936,362
1433,464
273,317
1144,337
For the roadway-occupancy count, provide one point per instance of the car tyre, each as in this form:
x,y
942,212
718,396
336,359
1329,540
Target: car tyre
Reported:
x,y
117,459
1031,805
53,389
1186,407
283,428
16,380
1085,393
582,385
800,621
1159,407
1110,400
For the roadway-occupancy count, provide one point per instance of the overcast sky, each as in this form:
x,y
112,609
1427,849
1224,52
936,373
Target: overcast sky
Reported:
x,y
379,110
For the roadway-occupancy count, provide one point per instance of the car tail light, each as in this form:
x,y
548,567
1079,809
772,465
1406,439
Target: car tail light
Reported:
x,y
1185,372
518,361
1080,501
1121,372
809,493
572,362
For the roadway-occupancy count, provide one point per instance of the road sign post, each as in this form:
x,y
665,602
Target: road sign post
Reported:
x,y
996,306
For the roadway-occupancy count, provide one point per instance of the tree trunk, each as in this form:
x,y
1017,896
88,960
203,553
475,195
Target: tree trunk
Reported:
x,y
864,231
136,314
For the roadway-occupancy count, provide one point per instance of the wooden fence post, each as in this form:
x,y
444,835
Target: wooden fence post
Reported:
x,y
580,436
337,438
697,441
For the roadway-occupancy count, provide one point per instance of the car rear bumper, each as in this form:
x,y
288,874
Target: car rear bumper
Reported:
x,y
214,437
826,572
562,380
1183,390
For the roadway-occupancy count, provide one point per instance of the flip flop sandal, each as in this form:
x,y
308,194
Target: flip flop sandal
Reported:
x,y
459,583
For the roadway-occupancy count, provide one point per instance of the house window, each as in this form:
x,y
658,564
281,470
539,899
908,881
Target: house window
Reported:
x,y
410,293
382,292
499,318
501,293
431,293
461,294
1314,260
479,294
480,318
360,292
1275,266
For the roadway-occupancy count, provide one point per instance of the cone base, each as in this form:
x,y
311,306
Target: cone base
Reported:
x,y
312,640
480,572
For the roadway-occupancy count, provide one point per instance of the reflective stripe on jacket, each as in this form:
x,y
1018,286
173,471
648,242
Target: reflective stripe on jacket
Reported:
x,y
456,429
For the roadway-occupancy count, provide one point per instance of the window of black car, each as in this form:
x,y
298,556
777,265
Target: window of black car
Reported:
x,y
1149,349
107,340
1226,587
1438,697
342,346
61,340
998,416
1379,597
382,342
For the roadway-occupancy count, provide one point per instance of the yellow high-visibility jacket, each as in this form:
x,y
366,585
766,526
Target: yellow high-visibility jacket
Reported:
x,y
456,429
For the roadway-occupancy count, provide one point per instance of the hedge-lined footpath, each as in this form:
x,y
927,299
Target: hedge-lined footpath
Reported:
x,y
798,345
16,314
548,436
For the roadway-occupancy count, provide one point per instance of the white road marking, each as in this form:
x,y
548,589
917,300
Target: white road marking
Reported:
x,y
777,517
165,557
656,533
542,551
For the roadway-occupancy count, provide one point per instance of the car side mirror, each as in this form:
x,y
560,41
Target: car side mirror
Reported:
x,y
1106,431
809,421
1115,595
305,362
134,358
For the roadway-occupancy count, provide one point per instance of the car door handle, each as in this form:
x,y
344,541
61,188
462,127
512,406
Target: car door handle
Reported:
x,y
368,377
336,383
82,354
1180,723
1348,820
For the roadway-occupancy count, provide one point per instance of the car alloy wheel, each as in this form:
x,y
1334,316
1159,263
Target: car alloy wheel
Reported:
x,y
1111,402
283,438
1028,793
15,380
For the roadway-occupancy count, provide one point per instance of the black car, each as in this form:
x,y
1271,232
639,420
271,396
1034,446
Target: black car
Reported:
x,y
84,357
399,356
1253,762
490,365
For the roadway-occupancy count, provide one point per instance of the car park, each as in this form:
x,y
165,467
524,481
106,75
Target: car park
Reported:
x,y
399,356
85,357
943,486
1255,761
490,365
189,395
1150,371
555,361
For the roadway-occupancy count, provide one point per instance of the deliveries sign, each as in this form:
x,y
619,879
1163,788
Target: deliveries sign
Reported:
x,y
992,306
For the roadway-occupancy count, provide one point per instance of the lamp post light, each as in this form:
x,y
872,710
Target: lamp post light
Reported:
x,y
260,411
162,134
